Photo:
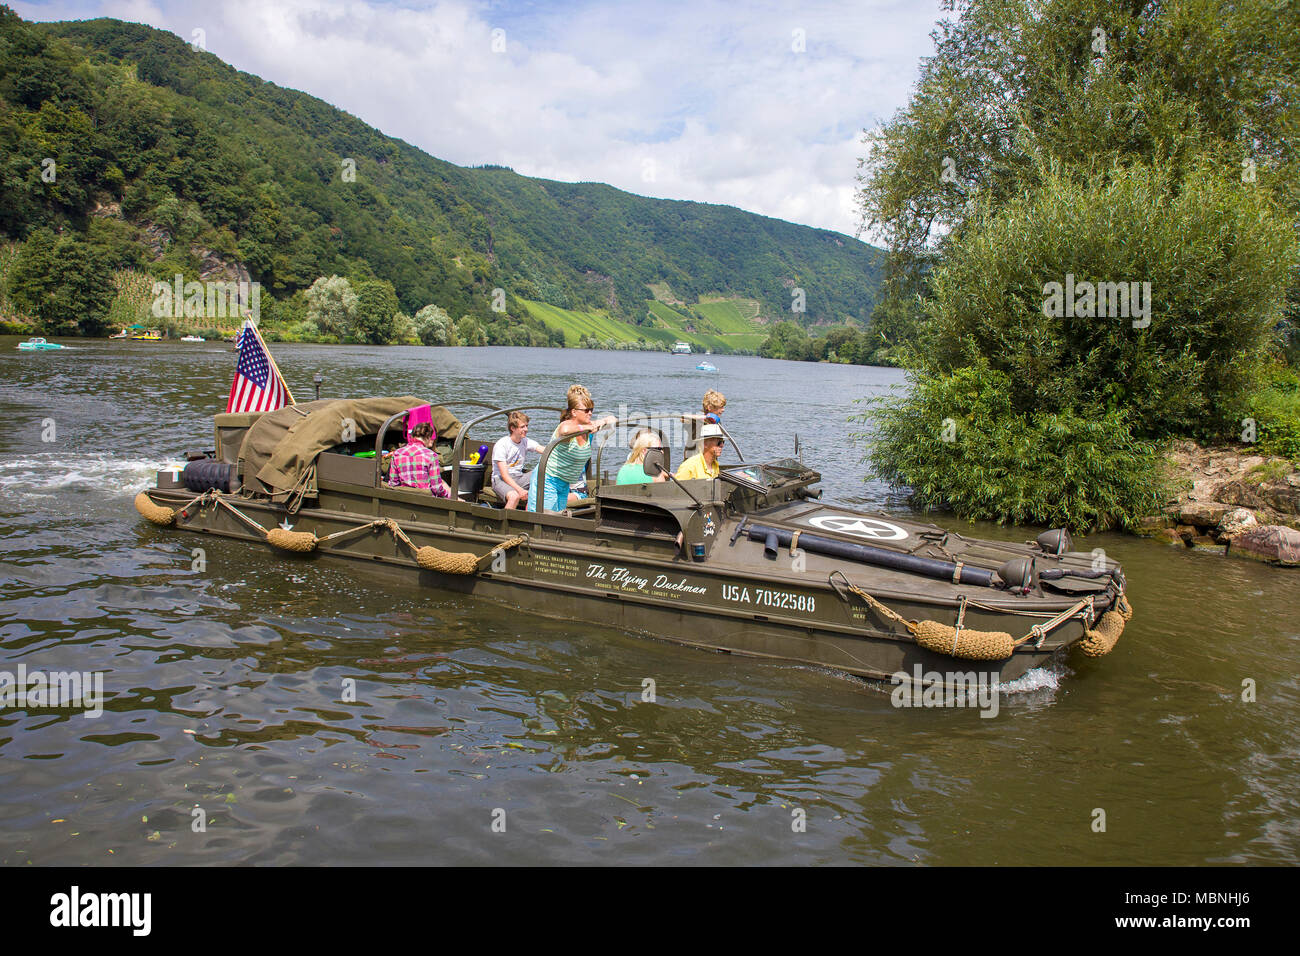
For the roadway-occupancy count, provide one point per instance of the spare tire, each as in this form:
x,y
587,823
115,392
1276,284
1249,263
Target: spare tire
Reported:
x,y
208,474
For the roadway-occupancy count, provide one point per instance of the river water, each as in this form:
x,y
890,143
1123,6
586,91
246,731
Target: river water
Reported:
x,y
224,737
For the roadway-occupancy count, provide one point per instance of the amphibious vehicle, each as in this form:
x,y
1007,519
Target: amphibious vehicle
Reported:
x,y
752,562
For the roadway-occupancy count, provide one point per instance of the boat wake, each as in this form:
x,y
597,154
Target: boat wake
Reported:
x,y
1034,687
1038,679
49,474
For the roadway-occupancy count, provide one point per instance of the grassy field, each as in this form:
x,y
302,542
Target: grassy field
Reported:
x,y
577,325
722,329
730,316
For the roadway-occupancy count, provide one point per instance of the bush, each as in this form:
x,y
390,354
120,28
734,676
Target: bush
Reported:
x,y
959,443
1276,410
305,331
1215,257
469,332
404,330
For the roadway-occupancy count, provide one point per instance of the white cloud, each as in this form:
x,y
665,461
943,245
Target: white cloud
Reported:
x,y
705,100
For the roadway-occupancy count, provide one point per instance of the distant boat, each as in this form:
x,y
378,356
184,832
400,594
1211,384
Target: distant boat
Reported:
x,y
706,367
124,334
682,348
147,335
192,338
37,344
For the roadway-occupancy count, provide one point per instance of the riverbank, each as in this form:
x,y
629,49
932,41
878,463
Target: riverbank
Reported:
x,y
1231,499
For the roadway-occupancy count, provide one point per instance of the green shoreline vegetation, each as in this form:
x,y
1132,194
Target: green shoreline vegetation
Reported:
x,y
131,158
1080,149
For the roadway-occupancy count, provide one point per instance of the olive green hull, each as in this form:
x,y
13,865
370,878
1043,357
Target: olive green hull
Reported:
x,y
737,600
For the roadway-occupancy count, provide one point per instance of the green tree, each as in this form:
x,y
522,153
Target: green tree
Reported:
x,y
468,332
787,340
332,306
377,307
65,282
1202,269
433,326
1016,85
1051,147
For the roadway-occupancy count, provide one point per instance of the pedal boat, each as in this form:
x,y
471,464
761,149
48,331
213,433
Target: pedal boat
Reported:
x,y
751,563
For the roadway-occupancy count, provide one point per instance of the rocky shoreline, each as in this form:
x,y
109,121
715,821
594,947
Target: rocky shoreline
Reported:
x,y
1231,500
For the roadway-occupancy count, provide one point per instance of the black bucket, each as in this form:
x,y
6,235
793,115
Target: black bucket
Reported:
x,y
471,480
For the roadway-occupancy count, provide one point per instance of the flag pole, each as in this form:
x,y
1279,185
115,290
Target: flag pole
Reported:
x,y
275,368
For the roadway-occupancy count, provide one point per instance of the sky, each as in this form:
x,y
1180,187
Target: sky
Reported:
x,y
759,105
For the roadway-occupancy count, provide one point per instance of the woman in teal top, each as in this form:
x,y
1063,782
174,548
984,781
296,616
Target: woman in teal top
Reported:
x,y
569,459
633,473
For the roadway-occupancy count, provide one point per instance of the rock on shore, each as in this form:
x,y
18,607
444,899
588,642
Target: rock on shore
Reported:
x,y
1232,500
1272,543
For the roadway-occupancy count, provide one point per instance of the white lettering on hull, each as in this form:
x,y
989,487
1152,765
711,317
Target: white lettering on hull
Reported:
x,y
625,579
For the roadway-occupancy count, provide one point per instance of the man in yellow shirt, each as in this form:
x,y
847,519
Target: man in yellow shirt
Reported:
x,y
705,464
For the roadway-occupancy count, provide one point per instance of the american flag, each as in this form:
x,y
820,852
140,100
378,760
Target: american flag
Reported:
x,y
258,386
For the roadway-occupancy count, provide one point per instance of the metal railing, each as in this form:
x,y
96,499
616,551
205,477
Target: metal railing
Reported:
x,y
464,432
539,473
662,416
383,432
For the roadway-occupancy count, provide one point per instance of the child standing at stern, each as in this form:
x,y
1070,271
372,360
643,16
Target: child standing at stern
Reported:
x,y
715,403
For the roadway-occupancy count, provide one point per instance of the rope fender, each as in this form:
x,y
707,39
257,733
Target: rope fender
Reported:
x,y
428,558
964,642
158,514
452,562
164,516
300,542
304,542
1101,640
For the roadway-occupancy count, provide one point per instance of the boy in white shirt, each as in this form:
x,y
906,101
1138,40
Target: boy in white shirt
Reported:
x,y
508,479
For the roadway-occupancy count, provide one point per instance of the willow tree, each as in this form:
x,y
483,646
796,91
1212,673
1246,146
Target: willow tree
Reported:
x,y
1091,84
1054,150
332,306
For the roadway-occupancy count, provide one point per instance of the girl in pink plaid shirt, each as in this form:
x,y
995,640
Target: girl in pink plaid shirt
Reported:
x,y
416,465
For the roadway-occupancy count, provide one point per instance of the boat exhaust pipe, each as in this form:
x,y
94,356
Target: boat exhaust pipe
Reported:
x,y
773,538
770,544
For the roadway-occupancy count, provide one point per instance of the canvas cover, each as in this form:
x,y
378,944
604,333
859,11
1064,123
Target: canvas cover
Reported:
x,y
280,448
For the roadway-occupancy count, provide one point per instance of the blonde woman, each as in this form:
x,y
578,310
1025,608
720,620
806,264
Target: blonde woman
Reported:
x,y
568,462
633,473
